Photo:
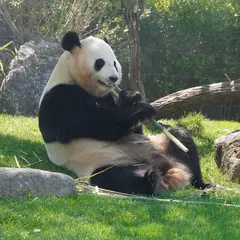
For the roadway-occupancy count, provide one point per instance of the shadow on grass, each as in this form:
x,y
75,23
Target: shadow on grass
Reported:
x,y
33,152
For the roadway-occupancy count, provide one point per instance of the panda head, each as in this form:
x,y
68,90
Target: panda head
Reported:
x,y
92,64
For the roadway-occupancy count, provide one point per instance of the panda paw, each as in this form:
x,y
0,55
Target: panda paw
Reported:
x,y
155,178
128,98
143,111
151,177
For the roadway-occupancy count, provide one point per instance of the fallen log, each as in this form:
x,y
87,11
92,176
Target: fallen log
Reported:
x,y
188,98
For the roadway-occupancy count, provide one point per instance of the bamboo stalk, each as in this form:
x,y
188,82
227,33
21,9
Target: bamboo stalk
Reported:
x,y
156,123
109,193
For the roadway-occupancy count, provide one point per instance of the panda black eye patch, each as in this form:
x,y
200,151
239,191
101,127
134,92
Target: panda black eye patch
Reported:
x,y
115,65
99,64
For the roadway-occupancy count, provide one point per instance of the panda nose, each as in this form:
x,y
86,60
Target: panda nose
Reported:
x,y
113,79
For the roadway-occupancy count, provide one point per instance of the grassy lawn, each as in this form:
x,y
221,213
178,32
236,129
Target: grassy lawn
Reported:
x,y
94,217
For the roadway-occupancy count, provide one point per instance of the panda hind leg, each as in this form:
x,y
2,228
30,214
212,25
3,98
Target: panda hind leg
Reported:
x,y
167,174
190,159
163,175
125,179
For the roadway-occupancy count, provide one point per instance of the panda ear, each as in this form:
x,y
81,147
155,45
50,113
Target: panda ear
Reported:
x,y
105,40
70,41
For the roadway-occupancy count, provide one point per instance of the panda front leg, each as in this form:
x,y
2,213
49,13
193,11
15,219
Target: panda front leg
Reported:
x,y
128,98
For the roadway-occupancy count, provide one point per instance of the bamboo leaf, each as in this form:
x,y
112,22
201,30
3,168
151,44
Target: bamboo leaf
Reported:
x,y
2,68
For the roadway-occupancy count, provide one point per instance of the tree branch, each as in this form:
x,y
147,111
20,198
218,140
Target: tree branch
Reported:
x,y
6,16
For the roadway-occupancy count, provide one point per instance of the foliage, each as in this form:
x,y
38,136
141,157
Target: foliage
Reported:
x,y
184,43
8,51
53,18
189,43
193,122
94,217
6,48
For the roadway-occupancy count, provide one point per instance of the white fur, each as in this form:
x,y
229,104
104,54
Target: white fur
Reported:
x,y
69,64
95,48
85,155
60,74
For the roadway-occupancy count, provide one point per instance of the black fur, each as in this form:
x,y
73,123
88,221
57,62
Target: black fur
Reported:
x,y
68,112
115,65
70,41
105,40
191,158
142,179
125,179
99,63
127,98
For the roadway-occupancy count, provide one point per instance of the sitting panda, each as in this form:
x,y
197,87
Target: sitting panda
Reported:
x,y
89,132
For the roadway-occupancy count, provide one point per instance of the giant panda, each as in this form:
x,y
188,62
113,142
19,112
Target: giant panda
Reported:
x,y
92,134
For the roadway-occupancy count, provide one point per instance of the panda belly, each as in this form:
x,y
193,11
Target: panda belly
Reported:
x,y
84,155
150,171
137,164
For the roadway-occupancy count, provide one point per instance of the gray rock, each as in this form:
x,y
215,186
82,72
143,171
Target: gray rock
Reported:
x,y
227,154
30,70
23,181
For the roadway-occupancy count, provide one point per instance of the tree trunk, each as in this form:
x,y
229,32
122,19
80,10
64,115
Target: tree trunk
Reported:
x,y
132,18
188,98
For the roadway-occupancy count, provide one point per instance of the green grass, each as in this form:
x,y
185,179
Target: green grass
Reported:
x,y
20,137
94,217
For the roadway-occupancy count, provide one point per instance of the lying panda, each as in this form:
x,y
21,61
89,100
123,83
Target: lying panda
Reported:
x,y
85,130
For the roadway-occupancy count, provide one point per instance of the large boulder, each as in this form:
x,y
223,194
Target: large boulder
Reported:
x,y
29,72
15,182
227,154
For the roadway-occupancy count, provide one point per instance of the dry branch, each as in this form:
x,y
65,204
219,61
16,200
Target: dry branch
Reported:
x,y
182,100
4,14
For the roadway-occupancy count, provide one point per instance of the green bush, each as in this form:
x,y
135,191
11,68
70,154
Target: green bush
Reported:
x,y
189,43
193,122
